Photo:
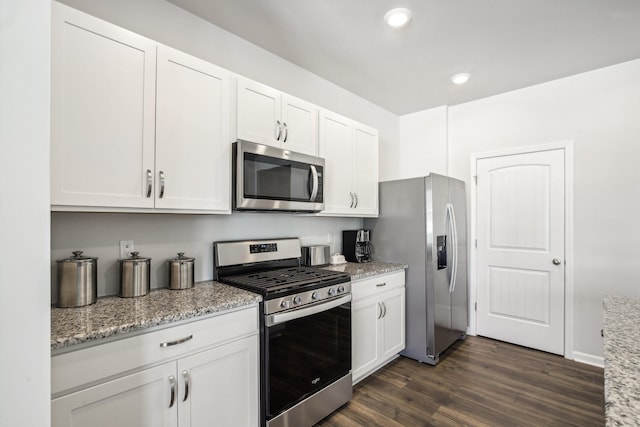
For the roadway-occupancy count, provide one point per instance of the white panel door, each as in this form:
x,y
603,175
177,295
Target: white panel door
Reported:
x,y
258,113
142,399
223,386
193,150
521,249
102,113
300,123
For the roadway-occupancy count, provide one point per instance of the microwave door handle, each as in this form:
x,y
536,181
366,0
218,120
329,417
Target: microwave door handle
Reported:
x,y
314,190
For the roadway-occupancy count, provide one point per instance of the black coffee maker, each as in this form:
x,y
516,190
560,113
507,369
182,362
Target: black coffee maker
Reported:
x,y
356,245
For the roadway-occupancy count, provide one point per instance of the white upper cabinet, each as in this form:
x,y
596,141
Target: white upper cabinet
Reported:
x,y
268,116
350,150
192,133
130,133
103,113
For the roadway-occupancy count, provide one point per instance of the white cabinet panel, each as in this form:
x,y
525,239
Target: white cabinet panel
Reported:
x,y
378,322
300,121
122,142
213,376
350,150
223,386
137,400
258,113
192,133
364,324
268,116
103,102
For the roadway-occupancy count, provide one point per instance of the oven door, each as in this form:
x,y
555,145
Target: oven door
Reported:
x,y
269,178
306,350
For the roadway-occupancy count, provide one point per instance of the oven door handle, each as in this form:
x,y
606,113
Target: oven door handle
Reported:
x,y
277,318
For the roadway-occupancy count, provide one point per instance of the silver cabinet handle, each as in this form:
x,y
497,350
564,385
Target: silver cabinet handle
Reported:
x,y
380,312
379,285
286,132
384,306
161,184
352,199
356,195
176,342
149,180
172,384
556,261
185,375
278,130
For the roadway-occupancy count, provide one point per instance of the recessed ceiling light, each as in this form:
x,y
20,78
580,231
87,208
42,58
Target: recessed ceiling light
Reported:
x,y
398,18
460,78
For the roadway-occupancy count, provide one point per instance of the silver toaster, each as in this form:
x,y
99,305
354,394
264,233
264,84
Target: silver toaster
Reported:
x,y
314,256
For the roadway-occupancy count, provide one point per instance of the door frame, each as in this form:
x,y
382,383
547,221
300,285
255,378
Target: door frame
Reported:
x,y
568,147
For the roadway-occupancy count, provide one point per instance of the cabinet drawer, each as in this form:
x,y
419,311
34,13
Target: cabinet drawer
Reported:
x,y
82,367
370,286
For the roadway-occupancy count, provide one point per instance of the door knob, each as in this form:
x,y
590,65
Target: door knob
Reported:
x,y
556,261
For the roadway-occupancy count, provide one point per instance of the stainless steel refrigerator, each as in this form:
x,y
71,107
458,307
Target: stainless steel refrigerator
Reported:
x,y
422,223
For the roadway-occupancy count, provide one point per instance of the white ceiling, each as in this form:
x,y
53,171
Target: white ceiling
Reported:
x,y
504,44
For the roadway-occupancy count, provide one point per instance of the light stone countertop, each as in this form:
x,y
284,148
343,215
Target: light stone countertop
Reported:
x,y
622,361
114,315
363,270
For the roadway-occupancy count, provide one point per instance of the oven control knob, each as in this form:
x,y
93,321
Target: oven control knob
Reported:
x,y
315,295
285,304
331,292
297,300
340,289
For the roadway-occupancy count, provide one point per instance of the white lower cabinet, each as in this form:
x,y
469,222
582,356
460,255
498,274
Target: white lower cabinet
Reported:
x,y
378,322
210,383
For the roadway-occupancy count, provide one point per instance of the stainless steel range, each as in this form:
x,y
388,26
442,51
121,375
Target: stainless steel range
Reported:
x,y
306,328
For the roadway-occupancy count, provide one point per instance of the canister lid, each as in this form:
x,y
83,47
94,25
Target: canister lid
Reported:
x,y
182,258
134,258
78,257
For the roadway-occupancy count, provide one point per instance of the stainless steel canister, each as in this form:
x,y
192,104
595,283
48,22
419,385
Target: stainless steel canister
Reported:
x,y
181,272
135,276
77,280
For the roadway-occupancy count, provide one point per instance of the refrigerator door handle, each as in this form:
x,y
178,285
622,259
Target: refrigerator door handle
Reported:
x,y
454,243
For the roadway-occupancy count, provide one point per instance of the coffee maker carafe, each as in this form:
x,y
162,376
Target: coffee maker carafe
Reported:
x,y
356,245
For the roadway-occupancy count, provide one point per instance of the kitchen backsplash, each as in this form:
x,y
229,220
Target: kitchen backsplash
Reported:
x,y
161,236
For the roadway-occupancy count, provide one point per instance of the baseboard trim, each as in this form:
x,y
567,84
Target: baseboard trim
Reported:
x,y
588,359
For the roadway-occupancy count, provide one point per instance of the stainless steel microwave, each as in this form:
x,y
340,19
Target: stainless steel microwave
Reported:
x,y
267,178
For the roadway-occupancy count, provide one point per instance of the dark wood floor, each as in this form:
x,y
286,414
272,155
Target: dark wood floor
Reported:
x,y
479,382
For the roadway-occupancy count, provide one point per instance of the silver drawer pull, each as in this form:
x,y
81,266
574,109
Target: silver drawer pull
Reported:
x,y
379,285
176,342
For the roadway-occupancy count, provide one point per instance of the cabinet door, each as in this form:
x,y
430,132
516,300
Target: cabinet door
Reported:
x,y
137,400
365,170
393,323
365,336
193,150
300,121
335,146
258,113
103,113
223,386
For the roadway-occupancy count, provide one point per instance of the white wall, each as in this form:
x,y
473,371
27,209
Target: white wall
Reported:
x,y
599,111
24,216
422,148
161,236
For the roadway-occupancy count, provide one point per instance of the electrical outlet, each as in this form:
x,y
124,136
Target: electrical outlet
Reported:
x,y
126,247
